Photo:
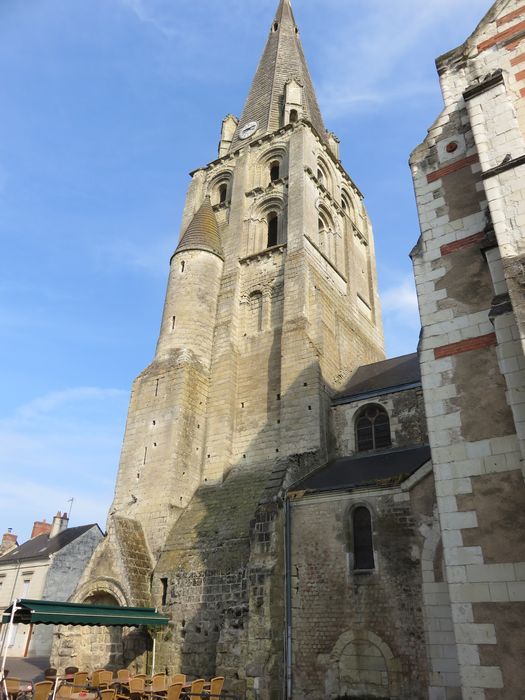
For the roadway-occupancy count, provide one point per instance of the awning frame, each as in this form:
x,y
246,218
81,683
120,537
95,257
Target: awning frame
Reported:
x,y
48,612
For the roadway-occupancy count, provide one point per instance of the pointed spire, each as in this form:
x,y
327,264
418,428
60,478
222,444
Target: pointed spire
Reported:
x,y
203,232
282,60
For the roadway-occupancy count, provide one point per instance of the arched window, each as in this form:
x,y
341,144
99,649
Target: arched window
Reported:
x,y
223,192
321,227
273,229
372,429
320,176
294,116
275,170
363,544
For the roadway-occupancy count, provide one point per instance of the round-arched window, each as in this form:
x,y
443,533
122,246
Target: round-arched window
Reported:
x,y
372,429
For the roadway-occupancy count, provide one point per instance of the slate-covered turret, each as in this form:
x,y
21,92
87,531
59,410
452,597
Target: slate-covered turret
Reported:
x,y
193,288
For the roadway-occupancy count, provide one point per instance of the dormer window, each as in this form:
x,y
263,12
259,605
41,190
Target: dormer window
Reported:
x,y
294,116
223,192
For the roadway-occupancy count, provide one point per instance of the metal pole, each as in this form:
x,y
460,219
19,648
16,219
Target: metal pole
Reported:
x,y
154,650
14,608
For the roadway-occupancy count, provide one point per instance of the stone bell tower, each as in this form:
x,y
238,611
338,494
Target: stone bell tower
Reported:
x,y
271,305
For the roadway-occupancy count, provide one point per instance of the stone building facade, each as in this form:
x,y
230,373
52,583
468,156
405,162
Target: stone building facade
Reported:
x,y
48,566
319,522
470,272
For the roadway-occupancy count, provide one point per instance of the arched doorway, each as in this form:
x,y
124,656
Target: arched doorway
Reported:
x,y
101,647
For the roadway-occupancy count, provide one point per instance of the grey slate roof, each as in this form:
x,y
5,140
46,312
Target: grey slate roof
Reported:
x,y
397,372
386,468
282,60
203,232
42,546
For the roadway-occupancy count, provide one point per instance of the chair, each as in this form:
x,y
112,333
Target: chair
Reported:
x,y
137,683
64,691
197,687
123,675
216,685
108,694
13,687
158,683
174,691
105,679
179,678
79,679
42,690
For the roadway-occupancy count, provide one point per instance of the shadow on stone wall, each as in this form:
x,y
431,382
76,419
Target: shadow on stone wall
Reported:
x,y
224,563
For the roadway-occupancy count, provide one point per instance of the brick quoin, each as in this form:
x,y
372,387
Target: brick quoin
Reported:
x,y
517,60
520,75
513,45
452,168
482,341
512,15
488,43
462,243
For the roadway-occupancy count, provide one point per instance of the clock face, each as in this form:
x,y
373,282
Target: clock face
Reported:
x,y
248,129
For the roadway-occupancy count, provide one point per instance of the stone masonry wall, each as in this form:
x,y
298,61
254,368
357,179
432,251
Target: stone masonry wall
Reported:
x,y
357,633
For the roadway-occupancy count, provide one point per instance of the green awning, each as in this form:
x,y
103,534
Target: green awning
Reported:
x,y
48,612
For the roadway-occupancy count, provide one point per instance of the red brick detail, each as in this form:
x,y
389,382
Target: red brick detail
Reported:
x,y
517,59
482,341
507,34
447,169
520,75
511,15
514,44
462,243
522,92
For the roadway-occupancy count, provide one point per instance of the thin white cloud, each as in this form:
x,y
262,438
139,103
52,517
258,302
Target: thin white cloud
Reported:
x,y
381,51
144,14
401,298
51,402
153,257
400,313
62,445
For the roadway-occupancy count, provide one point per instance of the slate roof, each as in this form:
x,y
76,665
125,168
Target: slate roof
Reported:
x,y
386,468
282,60
203,232
42,546
398,372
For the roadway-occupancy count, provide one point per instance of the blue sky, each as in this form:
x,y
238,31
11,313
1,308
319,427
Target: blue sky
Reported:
x,y
106,105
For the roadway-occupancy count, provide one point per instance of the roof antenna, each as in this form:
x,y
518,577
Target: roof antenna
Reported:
x,y
70,500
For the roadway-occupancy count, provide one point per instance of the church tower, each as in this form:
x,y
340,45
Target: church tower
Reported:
x,y
271,305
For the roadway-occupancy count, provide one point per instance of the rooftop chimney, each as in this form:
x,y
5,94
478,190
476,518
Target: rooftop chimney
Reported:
x,y
40,528
8,541
60,522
